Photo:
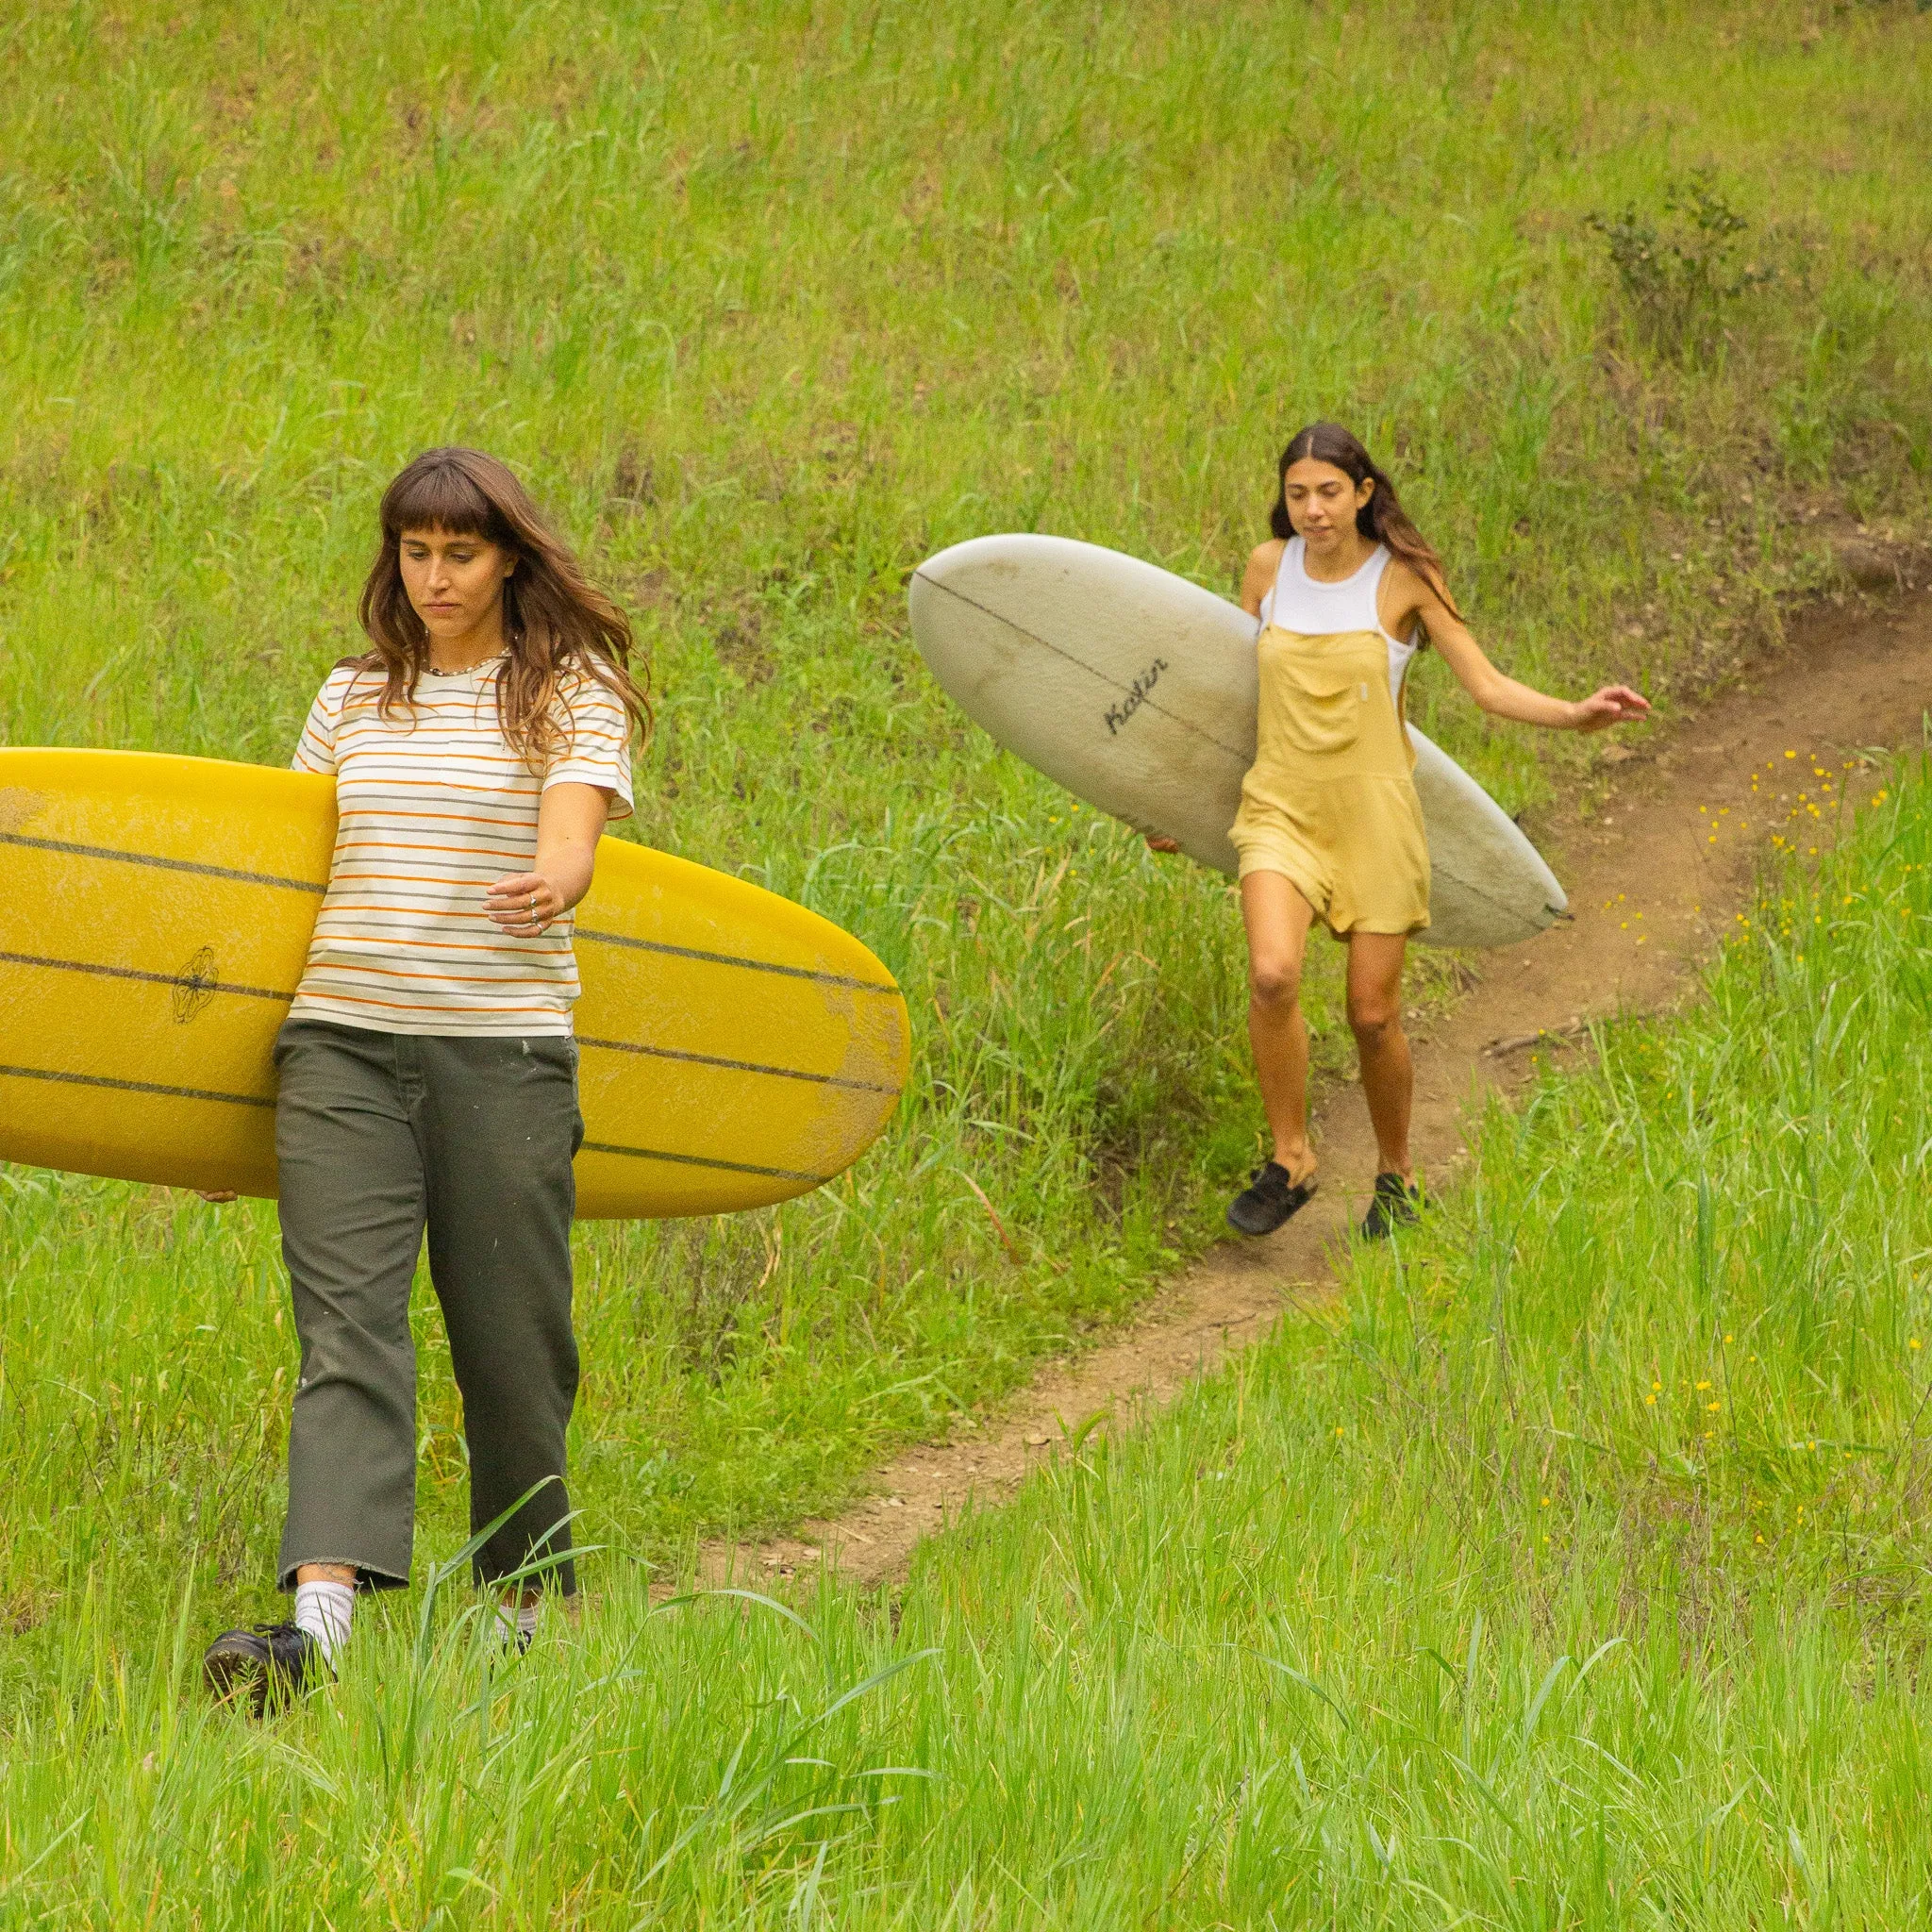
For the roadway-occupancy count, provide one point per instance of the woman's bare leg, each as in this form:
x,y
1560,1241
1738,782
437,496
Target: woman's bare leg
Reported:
x,y
325,1572
1375,1016
1277,919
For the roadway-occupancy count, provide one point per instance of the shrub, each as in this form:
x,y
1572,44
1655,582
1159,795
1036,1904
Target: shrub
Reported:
x,y
1678,271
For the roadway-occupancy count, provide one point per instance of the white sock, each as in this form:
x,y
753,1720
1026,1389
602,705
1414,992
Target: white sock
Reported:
x,y
518,1623
323,1609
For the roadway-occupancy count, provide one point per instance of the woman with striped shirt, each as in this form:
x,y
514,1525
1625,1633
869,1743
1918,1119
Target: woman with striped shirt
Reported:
x,y
427,1072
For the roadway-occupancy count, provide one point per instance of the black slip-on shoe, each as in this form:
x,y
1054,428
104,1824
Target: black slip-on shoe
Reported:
x,y
264,1667
1397,1203
1270,1199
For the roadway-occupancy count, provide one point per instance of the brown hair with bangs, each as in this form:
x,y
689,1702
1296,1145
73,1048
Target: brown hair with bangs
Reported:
x,y
557,626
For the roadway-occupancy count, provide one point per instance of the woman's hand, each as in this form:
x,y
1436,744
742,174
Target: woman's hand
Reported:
x,y
1615,703
1160,842
525,903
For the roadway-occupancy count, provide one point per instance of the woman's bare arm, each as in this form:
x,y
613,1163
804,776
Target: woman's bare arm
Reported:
x,y
1264,564
1408,597
570,821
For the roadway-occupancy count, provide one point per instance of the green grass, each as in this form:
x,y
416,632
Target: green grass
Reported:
x,y
1573,1575
768,302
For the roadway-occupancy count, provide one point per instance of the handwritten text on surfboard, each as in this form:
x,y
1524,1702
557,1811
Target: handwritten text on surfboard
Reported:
x,y
1118,714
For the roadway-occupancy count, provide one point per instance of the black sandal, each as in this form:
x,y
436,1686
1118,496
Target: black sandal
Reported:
x,y
1397,1203
1270,1199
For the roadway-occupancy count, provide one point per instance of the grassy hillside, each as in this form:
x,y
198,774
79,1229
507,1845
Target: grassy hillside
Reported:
x,y
768,302
1573,1576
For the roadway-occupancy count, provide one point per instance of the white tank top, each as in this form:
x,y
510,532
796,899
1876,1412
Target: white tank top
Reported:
x,y
1311,609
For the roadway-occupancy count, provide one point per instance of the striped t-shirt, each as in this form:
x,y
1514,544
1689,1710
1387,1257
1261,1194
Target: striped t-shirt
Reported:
x,y
433,808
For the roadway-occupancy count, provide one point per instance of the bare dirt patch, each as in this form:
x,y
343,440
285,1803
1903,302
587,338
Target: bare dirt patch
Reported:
x,y
1657,872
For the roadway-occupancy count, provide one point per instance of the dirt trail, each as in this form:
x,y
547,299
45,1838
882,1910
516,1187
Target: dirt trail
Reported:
x,y
1655,876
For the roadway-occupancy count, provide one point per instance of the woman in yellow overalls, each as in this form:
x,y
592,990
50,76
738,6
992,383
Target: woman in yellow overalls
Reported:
x,y
1330,827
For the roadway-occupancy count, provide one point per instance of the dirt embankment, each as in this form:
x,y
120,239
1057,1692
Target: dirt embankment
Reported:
x,y
1657,874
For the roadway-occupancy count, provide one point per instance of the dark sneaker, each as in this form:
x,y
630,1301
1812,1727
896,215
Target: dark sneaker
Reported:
x,y
1270,1199
1397,1203
264,1667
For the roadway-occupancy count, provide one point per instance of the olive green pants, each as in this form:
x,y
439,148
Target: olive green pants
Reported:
x,y
380,1137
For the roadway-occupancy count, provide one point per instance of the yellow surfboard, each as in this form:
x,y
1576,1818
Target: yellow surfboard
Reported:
x,y
155,914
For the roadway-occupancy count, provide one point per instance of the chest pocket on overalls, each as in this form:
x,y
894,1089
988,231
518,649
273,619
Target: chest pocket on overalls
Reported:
x,y
1323,703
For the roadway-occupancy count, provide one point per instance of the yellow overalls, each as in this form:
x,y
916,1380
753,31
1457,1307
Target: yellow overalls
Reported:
x,y
1329,801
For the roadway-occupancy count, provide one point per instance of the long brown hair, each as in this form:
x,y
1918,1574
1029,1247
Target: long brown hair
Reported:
x,y
1381,520
557,624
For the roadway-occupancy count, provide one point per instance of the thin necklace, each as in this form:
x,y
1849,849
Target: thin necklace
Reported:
x,y
467,668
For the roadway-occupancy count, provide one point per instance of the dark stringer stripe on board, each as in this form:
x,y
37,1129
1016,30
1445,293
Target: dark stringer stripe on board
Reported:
x,y
776,1174
135,1086
617,939
711,1059
187,979
206,872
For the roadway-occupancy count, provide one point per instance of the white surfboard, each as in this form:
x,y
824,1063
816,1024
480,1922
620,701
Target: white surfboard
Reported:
x,y
1136,690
